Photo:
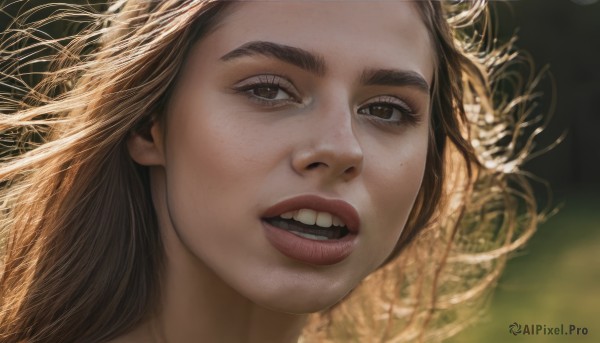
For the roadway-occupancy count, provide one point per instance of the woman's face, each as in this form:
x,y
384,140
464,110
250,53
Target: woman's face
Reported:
x,y
313,109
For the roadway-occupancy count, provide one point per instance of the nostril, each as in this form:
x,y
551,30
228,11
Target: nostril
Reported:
x,y
314,165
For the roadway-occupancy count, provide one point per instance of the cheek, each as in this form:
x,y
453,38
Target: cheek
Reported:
x,y
196,154
212,170
393,188
215,167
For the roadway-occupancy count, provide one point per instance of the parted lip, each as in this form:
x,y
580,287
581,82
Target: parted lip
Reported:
x,y
340,208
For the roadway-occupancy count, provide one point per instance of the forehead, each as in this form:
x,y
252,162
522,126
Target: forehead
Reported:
x,y
382,33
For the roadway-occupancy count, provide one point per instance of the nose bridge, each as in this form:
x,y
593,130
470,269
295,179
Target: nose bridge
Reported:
x,y
337,126
331,146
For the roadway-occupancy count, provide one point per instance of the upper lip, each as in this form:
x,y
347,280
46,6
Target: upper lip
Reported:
x,y
340,208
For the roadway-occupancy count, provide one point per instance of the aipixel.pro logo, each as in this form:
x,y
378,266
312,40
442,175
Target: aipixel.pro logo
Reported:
x,y
514,328
547,330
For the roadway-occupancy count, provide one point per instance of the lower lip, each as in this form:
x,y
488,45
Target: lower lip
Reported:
x,y
307,250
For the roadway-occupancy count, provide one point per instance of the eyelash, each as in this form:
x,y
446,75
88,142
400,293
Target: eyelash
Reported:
x,y
269,81
408,115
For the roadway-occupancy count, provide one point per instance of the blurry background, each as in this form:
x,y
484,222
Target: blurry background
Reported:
x,y
556,278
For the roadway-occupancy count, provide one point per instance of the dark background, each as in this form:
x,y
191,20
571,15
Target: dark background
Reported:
x,y
566,36
556,278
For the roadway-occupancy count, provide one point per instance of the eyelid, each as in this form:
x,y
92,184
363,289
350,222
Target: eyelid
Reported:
x,y
271,80
409,114
390,99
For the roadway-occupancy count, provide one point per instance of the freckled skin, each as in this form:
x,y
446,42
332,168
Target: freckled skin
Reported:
x,y
225,158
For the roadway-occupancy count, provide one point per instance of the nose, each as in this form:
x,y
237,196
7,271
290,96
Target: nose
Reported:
x,y
329,147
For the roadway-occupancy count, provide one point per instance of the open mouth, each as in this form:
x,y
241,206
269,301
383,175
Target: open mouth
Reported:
x,y
312,229
313,232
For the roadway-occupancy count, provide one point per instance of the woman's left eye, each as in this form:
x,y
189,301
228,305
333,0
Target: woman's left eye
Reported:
x,y
388,110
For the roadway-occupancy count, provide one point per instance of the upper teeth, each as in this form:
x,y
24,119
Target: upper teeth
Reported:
x,y
312,217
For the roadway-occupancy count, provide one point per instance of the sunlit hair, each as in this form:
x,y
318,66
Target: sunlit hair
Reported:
x,y
81,250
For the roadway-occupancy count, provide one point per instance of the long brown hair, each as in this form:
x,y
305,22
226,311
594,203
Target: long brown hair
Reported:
x,y
81,250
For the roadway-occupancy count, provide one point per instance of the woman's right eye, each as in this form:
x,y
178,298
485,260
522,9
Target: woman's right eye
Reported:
x,y
270,90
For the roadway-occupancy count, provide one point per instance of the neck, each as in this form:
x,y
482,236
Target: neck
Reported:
x,y
196,303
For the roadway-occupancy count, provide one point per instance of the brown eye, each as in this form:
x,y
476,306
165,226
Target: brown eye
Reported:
x,y
388,110
267,92
381,111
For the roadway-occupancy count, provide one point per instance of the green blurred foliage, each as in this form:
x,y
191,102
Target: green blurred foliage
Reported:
x,y
554,281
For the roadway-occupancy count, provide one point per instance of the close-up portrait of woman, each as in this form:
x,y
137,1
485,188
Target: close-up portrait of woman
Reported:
x,y
258,171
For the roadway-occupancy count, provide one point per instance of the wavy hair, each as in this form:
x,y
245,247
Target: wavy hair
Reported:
x,y
81,250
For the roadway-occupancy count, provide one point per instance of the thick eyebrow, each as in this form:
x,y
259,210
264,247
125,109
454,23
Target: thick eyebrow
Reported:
x,y
301,58
394,77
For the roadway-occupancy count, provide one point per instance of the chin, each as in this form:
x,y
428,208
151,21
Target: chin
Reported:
x,y
301,301
303,307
